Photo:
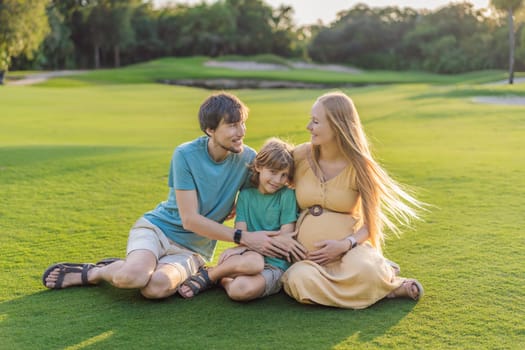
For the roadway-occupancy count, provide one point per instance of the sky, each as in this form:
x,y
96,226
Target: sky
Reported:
x,y
309,11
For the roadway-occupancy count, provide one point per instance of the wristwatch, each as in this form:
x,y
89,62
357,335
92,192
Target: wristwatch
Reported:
x,y
353,242
237,236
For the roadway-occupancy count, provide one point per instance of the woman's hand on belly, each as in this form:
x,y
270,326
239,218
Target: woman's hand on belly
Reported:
x,y
296,249
328,251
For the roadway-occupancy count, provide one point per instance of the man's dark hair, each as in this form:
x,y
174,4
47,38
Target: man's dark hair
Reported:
x,y
221,106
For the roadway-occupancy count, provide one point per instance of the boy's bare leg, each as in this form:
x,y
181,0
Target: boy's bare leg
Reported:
x,y
244,288
249,263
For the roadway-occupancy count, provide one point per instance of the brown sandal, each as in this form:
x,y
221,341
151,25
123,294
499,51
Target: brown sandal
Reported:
x,y
407,285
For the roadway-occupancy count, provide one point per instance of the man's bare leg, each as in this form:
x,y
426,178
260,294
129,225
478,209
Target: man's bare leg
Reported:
x,y
163,282
134,272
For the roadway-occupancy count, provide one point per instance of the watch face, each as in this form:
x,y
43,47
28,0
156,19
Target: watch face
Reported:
x,y
353,241
237,236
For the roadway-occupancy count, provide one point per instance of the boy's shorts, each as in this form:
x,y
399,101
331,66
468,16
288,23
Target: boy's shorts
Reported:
x,y
272,276
147,236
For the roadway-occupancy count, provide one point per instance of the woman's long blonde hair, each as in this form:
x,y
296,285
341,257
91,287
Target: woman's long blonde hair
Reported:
x,y
382,201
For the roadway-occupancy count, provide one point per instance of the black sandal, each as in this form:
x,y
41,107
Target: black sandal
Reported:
x,y
197,283
107,261
64,269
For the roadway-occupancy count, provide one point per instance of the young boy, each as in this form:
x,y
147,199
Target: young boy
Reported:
x,y
269,206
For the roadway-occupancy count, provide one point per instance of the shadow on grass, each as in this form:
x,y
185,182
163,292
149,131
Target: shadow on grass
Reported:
x,y
462,92
28,155
22,163
107,318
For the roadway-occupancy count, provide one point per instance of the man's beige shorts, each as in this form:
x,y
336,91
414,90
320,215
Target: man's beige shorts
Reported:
x,y
146,236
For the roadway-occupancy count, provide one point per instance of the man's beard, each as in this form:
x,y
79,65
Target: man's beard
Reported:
x,y
230,149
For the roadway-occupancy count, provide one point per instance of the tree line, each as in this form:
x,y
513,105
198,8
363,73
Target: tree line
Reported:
x,y
65,34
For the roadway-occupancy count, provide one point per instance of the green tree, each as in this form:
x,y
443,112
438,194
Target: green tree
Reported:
x,y
206,30
75,13
284,33
364,36
510,6
57,50
23,27
253,26
453,39
146,45
520,50
120,32
109,23
168,29
96,22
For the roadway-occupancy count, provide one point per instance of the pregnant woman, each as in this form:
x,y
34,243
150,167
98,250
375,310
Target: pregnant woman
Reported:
x,y
346,200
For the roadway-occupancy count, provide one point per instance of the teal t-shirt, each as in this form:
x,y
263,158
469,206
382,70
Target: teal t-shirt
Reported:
x,y
216,185
267,212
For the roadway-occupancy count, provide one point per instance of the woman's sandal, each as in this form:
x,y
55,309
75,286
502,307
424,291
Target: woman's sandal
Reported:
x,y
407,285
394,266
197,283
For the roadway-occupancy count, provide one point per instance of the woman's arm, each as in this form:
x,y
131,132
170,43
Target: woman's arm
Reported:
x,y
357,238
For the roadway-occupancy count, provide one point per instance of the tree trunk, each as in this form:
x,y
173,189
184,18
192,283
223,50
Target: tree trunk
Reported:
x,y
96,53
116,53
512,45
2,73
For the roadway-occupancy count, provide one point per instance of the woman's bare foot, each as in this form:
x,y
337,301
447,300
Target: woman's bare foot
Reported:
x,y
409,289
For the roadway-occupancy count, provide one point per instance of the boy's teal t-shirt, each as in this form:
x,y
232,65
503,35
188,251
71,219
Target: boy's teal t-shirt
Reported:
x,y
216,184
267,212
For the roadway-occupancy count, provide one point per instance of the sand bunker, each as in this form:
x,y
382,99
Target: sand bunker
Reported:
x,y
218,84
41,77
244,65
501,100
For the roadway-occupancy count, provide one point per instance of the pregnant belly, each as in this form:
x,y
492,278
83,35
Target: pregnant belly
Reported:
x,y
328,225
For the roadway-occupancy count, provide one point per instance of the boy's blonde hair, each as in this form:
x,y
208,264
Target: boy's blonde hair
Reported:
x,y
275,154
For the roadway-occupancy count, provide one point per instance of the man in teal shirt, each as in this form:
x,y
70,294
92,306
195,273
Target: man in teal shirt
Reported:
x,y
173,241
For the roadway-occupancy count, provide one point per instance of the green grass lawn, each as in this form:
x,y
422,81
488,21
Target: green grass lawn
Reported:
x,y
80,162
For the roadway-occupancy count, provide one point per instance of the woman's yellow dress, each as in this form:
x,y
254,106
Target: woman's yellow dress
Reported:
x,y
362,276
